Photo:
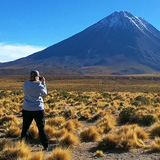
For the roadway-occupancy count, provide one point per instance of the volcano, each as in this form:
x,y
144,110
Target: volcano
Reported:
x,y
118,44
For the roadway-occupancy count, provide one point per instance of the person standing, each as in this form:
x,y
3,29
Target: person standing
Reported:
x,y
33,106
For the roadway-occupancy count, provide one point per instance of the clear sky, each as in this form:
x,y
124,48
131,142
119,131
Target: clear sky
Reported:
x,y
27,26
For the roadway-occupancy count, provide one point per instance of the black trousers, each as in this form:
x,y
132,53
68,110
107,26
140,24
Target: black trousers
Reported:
x,y
39,117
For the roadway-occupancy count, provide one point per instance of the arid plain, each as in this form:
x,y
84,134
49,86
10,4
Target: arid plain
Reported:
x,y
87,117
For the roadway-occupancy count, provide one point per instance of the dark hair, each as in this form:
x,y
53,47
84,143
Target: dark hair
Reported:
x,y
33,75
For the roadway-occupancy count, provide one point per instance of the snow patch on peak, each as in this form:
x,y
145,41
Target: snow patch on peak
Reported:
x,y
123,19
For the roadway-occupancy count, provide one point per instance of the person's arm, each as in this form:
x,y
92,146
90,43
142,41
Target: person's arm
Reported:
x,y
43,87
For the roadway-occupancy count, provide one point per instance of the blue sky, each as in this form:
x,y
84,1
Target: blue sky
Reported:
x,y
27,26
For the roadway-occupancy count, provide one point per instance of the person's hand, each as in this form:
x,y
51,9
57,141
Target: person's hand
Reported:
x,y
43,79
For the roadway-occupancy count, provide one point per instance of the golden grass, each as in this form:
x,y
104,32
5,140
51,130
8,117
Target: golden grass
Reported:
x,y
155,146
18,150
33,131
155,130
37,156
50,131
69,125
89,135
72,111
13,131
57,121
69,140
106,123
60,133
108,142
60,154
4,142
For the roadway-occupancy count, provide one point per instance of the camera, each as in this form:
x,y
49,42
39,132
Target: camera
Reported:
x,y
40,78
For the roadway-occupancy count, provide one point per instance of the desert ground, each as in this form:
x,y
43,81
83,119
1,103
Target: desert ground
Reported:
x,y
87,117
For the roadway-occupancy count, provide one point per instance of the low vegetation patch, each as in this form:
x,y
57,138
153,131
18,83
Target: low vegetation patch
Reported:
x,y
108,120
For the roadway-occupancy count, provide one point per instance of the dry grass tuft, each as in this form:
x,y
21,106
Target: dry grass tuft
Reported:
x,y
50,131
60,133
69,140
57,121
13,131
106,123
99,153
69,125
37,156
4,142
155,130
108,142
155,146
89,135
6,119
33,131
18,150
60,154
131,136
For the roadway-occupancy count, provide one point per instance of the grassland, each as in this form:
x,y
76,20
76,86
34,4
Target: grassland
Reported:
x,y
93,117
147,83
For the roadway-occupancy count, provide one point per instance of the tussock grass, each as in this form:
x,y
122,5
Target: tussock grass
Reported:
x,y
18,150
69,125
60,133
69,140
131,136
155,146
89,135
13,131
126,137
33,131
155,130
106,123
108,142
7,119
50,131
37,156
60,154
99,108
57,121
4,142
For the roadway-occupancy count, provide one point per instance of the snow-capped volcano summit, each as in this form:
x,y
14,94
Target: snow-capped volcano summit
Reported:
x,y
118,44
126,20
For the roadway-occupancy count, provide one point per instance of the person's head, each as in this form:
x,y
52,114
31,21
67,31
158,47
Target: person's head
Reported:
x,y
34,75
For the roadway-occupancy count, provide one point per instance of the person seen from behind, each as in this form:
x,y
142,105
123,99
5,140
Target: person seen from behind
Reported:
x,y
33,106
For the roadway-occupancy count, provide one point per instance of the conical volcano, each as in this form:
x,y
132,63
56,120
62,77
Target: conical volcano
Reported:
x,y
118,44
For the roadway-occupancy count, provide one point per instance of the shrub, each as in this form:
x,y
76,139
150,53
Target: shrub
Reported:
x,y
108,142
89,135
127,115
148,120
60,154
141,100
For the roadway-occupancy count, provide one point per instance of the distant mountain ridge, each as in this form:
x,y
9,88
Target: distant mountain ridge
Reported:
x,y
118,44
